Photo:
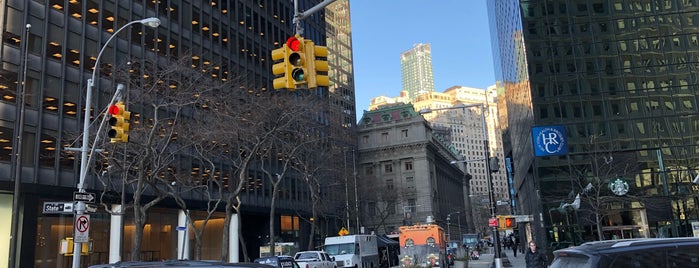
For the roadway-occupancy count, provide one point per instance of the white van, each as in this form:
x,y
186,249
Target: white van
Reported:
x,y
358,251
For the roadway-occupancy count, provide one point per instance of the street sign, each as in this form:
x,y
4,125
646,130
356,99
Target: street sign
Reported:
x,y
524,218
89,208
85,197
493,222
58,208
181,228
82,229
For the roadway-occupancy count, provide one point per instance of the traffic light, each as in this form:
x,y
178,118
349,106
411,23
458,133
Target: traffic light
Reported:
x,y
317,57
119,122
501,222
510,222
292,67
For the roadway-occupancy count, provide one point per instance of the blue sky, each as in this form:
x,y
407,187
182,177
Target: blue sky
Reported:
x,y
457,31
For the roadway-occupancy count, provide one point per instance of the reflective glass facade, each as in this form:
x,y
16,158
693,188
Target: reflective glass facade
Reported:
x,y
61,47
416,70
619,76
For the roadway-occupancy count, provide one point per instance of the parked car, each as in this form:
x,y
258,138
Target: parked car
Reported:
x,y
178,263
314,259
647,252
279,261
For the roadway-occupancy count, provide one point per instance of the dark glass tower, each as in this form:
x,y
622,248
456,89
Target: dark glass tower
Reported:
x,y
61,47
619,76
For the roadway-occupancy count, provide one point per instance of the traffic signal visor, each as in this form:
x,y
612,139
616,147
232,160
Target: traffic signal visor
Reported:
x,y
119,123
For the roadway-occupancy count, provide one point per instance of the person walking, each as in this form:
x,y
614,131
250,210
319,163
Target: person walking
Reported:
x,y
515,244
534,257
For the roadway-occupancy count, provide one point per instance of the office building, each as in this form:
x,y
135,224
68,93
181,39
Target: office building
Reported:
x,y
49,64
416,70
404,172
614,79
463,130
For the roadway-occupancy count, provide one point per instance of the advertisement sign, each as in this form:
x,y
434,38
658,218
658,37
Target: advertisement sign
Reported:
x,y
549,141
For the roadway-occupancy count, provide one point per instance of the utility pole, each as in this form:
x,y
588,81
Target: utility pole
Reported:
x,y
298,16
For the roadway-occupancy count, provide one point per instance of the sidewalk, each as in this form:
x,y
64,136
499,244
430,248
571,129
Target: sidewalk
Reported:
x,y
508,260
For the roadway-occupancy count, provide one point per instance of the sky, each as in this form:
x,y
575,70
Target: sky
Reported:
x,y
457,31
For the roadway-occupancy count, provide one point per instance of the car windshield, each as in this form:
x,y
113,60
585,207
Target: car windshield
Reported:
x,y
576,261
338,249
306,255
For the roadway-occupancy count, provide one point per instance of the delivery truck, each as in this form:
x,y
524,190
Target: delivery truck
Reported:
x,y
357,251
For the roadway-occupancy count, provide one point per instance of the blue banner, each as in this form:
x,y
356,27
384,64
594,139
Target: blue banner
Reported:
x,y
549,140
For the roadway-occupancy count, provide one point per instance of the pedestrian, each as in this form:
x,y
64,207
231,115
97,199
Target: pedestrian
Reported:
x,y
515,245
534,257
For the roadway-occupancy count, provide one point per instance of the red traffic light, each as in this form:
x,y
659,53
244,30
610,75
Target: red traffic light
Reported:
x,y
510,222
114,109
293,43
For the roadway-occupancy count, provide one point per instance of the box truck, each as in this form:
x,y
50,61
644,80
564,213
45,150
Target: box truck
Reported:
x,y
358,251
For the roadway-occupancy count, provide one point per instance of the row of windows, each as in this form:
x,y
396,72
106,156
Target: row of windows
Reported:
x,y
681,46
388,168
389,208
679,63
616,109
531,8
561,26
51,38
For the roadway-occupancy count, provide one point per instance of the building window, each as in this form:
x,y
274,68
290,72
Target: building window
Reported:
x,y
384,136
389,184
404,133
372,208
365,139
411,205
369,170
409,183
388,168
409,165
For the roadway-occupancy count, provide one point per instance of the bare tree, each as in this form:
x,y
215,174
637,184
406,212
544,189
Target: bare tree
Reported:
x,y
167,94
304,134
591,199
381,200
248,125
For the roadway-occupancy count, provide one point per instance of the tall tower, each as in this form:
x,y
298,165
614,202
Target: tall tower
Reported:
x,y
616,77
416,70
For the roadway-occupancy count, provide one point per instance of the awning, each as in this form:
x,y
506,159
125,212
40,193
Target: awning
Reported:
x,y
383,241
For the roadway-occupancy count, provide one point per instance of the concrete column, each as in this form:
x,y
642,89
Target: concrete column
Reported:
x,y
182,236
233,245
116,233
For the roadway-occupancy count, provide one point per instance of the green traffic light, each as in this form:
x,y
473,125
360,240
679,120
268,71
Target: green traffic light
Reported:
x,y
297,74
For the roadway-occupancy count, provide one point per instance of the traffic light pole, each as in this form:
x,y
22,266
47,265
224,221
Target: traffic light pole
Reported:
x,y
298,16
491,190
489,173
80,205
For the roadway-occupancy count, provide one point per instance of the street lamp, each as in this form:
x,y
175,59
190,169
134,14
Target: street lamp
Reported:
x,y
489,175
80,205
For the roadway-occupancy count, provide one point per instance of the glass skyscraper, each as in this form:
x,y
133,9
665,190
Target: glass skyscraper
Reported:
x,y
619,77
416,70
48,65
